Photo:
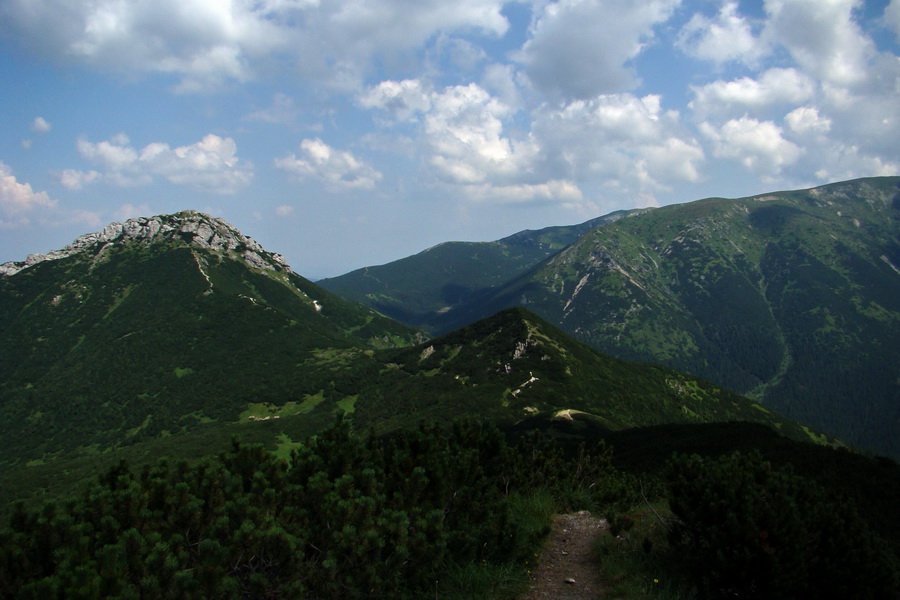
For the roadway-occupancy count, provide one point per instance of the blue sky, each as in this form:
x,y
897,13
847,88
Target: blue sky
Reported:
x,y
346,133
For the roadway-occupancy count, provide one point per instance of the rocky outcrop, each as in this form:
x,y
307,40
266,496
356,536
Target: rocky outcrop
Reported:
x,y
190,227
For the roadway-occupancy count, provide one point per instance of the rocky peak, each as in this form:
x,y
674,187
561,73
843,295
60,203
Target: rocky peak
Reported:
x,y
189,226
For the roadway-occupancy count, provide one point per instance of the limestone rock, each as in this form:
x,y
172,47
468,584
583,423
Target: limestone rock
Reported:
x,y
190,227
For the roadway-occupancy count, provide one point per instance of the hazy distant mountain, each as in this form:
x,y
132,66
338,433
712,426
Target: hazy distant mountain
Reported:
x,y
792,297
419,290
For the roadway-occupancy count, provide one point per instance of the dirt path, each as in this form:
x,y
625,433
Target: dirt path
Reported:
x,y
567,569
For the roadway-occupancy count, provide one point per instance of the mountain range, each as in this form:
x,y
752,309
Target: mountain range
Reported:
x,y
792,298
172,334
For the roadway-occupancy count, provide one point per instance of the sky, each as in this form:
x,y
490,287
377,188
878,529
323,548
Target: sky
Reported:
x,y
348,133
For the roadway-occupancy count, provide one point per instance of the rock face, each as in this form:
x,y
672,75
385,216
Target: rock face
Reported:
x,y
188,226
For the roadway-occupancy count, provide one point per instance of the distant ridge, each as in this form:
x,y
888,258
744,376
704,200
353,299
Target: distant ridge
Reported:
x,y
792,297
423,290
170,335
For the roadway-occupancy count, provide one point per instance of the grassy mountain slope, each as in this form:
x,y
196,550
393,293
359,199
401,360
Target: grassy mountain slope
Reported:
x,y
792,297
515,366
132,339
149,349
419,289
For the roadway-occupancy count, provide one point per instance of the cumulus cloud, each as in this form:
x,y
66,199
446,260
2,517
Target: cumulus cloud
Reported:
x,y
580,48
775,86
210,165
284,210
337,169
727,37
467,141
402,99
41,125
806,119
18,199
206,44
73,179
822,36
464,134
757,145
618,137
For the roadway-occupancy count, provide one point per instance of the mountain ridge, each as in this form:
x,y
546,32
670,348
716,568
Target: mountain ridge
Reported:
x,y
154,341
418,289
789,296
198,228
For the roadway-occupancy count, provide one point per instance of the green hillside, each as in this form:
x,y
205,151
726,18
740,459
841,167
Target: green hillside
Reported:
x,y
146,340
185,417
128,341
419,290
791,297
514,366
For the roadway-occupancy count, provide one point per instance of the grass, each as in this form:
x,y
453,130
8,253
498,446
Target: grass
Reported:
x,y
486,581
636,561
507,580
348,404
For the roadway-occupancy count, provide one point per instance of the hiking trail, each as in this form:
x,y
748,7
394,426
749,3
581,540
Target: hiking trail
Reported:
x,y
567,568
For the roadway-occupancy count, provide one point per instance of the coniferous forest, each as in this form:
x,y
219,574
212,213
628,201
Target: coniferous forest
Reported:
x,y
402,516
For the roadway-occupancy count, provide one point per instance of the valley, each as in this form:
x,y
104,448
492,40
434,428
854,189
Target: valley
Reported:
x,y
151,365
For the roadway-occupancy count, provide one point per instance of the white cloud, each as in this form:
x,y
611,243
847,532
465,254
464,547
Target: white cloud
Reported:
x,y
560,191
773,87
73,179
114,154
41,125
618,138
337,169
504,82
757,145
461,134
284,210
892,17
806,119
822,37
207,44
580,48
403,99
210,165
464,135
17,199
728,37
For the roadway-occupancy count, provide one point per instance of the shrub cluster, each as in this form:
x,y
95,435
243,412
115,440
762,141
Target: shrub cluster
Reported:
x,y
748,529
345,517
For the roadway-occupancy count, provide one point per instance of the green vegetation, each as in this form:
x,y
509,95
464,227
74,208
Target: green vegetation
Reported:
x,y
459,512
791,297
92,347
424,289
746,529
115,358
343,517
